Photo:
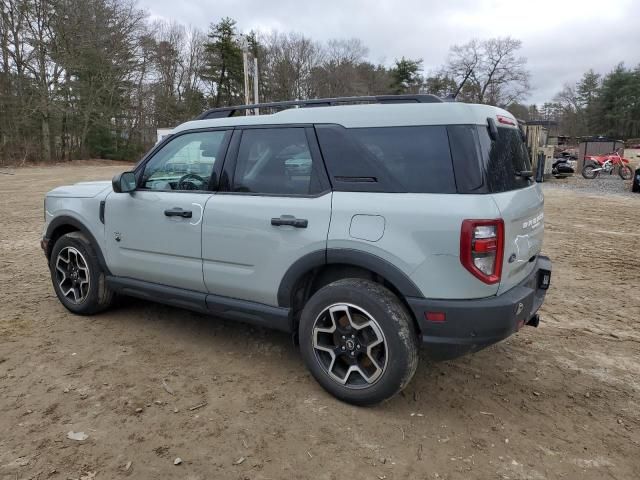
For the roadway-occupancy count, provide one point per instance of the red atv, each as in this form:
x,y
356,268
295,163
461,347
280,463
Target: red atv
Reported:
x,y
596,164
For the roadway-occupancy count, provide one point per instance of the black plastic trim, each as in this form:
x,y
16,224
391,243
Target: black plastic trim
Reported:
x,y
267,316
277,318
66,220
477,323
101,214
175,297
295,272
346,256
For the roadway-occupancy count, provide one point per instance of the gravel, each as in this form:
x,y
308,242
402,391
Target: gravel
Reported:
x,y
608,185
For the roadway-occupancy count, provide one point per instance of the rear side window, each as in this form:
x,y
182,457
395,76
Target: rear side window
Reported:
x,y
388,159
504,159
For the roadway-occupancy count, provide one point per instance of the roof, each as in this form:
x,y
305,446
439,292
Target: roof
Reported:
x,y
367,115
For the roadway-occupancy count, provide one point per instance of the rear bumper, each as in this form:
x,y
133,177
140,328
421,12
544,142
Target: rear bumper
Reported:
x,y
470,325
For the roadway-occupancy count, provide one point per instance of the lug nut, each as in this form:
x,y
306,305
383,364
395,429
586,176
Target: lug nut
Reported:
x,y
342,347
357,346
343,337
352,354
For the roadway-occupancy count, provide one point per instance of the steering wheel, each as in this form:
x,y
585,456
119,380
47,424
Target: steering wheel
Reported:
x,y
186,182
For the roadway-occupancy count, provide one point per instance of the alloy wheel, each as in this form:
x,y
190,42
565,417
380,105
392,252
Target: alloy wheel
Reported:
x,y
72,275
350,345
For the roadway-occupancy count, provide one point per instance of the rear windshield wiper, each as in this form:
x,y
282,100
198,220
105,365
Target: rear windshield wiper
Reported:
x,y
524,174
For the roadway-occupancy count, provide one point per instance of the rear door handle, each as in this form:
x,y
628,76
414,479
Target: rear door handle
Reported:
x,y
289,220
178,212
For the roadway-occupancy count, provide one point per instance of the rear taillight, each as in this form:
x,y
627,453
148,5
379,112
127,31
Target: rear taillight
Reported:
x,y
482,248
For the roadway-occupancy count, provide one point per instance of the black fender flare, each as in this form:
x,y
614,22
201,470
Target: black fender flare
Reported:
x,y
346,256
64,220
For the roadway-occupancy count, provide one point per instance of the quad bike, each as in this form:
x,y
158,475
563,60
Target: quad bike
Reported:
x,y
597,164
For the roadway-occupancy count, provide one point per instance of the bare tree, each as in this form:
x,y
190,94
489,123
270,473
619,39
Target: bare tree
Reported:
x,y
489,71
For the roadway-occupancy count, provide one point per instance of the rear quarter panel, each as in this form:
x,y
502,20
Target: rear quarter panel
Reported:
x,y
421,236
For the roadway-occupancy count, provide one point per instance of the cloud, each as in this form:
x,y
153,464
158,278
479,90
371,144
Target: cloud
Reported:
x,y
561,39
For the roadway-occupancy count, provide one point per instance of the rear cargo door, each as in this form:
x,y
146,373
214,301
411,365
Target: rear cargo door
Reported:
x,y
508,179
522,212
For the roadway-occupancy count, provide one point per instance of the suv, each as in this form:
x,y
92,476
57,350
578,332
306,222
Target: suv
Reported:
x,y
364,230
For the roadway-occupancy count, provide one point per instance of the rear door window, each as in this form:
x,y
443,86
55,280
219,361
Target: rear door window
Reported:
x,y
275,161
388,159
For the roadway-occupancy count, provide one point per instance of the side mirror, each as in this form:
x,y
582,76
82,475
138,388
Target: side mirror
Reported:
x,y
124,182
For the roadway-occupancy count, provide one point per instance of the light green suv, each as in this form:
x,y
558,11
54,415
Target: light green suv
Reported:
x,y
364,227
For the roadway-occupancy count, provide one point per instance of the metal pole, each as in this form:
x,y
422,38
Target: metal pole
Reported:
x,y
246,79
256,79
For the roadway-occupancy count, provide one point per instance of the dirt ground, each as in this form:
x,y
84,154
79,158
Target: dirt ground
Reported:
x,y
559,401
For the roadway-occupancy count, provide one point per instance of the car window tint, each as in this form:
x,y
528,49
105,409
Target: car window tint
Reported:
x,y
185,163
388,159
504,159
274,161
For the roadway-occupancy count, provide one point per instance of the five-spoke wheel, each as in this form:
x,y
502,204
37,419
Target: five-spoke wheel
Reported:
x,y
350,345
358,340
77,275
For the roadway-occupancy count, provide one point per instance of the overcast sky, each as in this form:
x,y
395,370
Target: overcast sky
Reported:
x,y
561,38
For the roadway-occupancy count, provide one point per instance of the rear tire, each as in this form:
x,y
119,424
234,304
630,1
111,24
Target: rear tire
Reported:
x,y
588,172
625,172
78,279
358,341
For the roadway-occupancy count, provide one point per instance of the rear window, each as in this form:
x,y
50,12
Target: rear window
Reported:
x,y
485,166
388,159
504,159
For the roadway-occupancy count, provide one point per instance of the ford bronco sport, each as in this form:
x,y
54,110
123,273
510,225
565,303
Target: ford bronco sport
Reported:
x,y
363,226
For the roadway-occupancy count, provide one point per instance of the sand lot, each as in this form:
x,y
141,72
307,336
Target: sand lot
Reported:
x,y
559,401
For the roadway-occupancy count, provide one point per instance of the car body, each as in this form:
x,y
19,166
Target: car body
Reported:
x,y
423,211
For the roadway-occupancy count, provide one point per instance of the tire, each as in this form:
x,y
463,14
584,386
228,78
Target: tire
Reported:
x,y
625,172
78,279
588,173
385,368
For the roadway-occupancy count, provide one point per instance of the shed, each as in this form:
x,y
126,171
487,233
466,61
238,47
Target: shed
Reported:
x,y
596,146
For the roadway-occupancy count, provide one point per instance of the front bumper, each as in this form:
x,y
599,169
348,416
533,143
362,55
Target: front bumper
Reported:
x,y
470,325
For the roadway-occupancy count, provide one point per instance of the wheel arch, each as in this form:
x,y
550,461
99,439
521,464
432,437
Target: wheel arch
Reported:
x,y
314,270
64,224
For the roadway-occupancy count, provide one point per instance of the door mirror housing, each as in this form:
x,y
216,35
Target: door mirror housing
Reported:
x,y
124,182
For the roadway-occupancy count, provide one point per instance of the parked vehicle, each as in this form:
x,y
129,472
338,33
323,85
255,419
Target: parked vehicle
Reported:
x,y
561,168
364,230
635,187
597,164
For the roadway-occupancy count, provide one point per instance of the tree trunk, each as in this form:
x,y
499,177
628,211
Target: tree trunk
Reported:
x,y
46,138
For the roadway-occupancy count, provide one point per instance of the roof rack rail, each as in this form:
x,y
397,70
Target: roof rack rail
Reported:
x,y
225,112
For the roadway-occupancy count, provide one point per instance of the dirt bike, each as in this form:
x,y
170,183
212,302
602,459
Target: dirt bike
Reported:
x,y
597,164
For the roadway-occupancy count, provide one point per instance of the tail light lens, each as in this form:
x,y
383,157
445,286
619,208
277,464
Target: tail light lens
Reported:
x,y
482,248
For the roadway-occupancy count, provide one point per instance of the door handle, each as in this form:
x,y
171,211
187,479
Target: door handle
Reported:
x,y
290,221
178,212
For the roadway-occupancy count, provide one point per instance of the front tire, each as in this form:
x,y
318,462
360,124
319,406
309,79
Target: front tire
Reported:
x,y
78,279
625,172
358,341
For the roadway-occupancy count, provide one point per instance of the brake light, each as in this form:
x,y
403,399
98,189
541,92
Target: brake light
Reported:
x,y
505,120
482,248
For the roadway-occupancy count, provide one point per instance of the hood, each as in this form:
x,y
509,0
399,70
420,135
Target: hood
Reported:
x,y
80,190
